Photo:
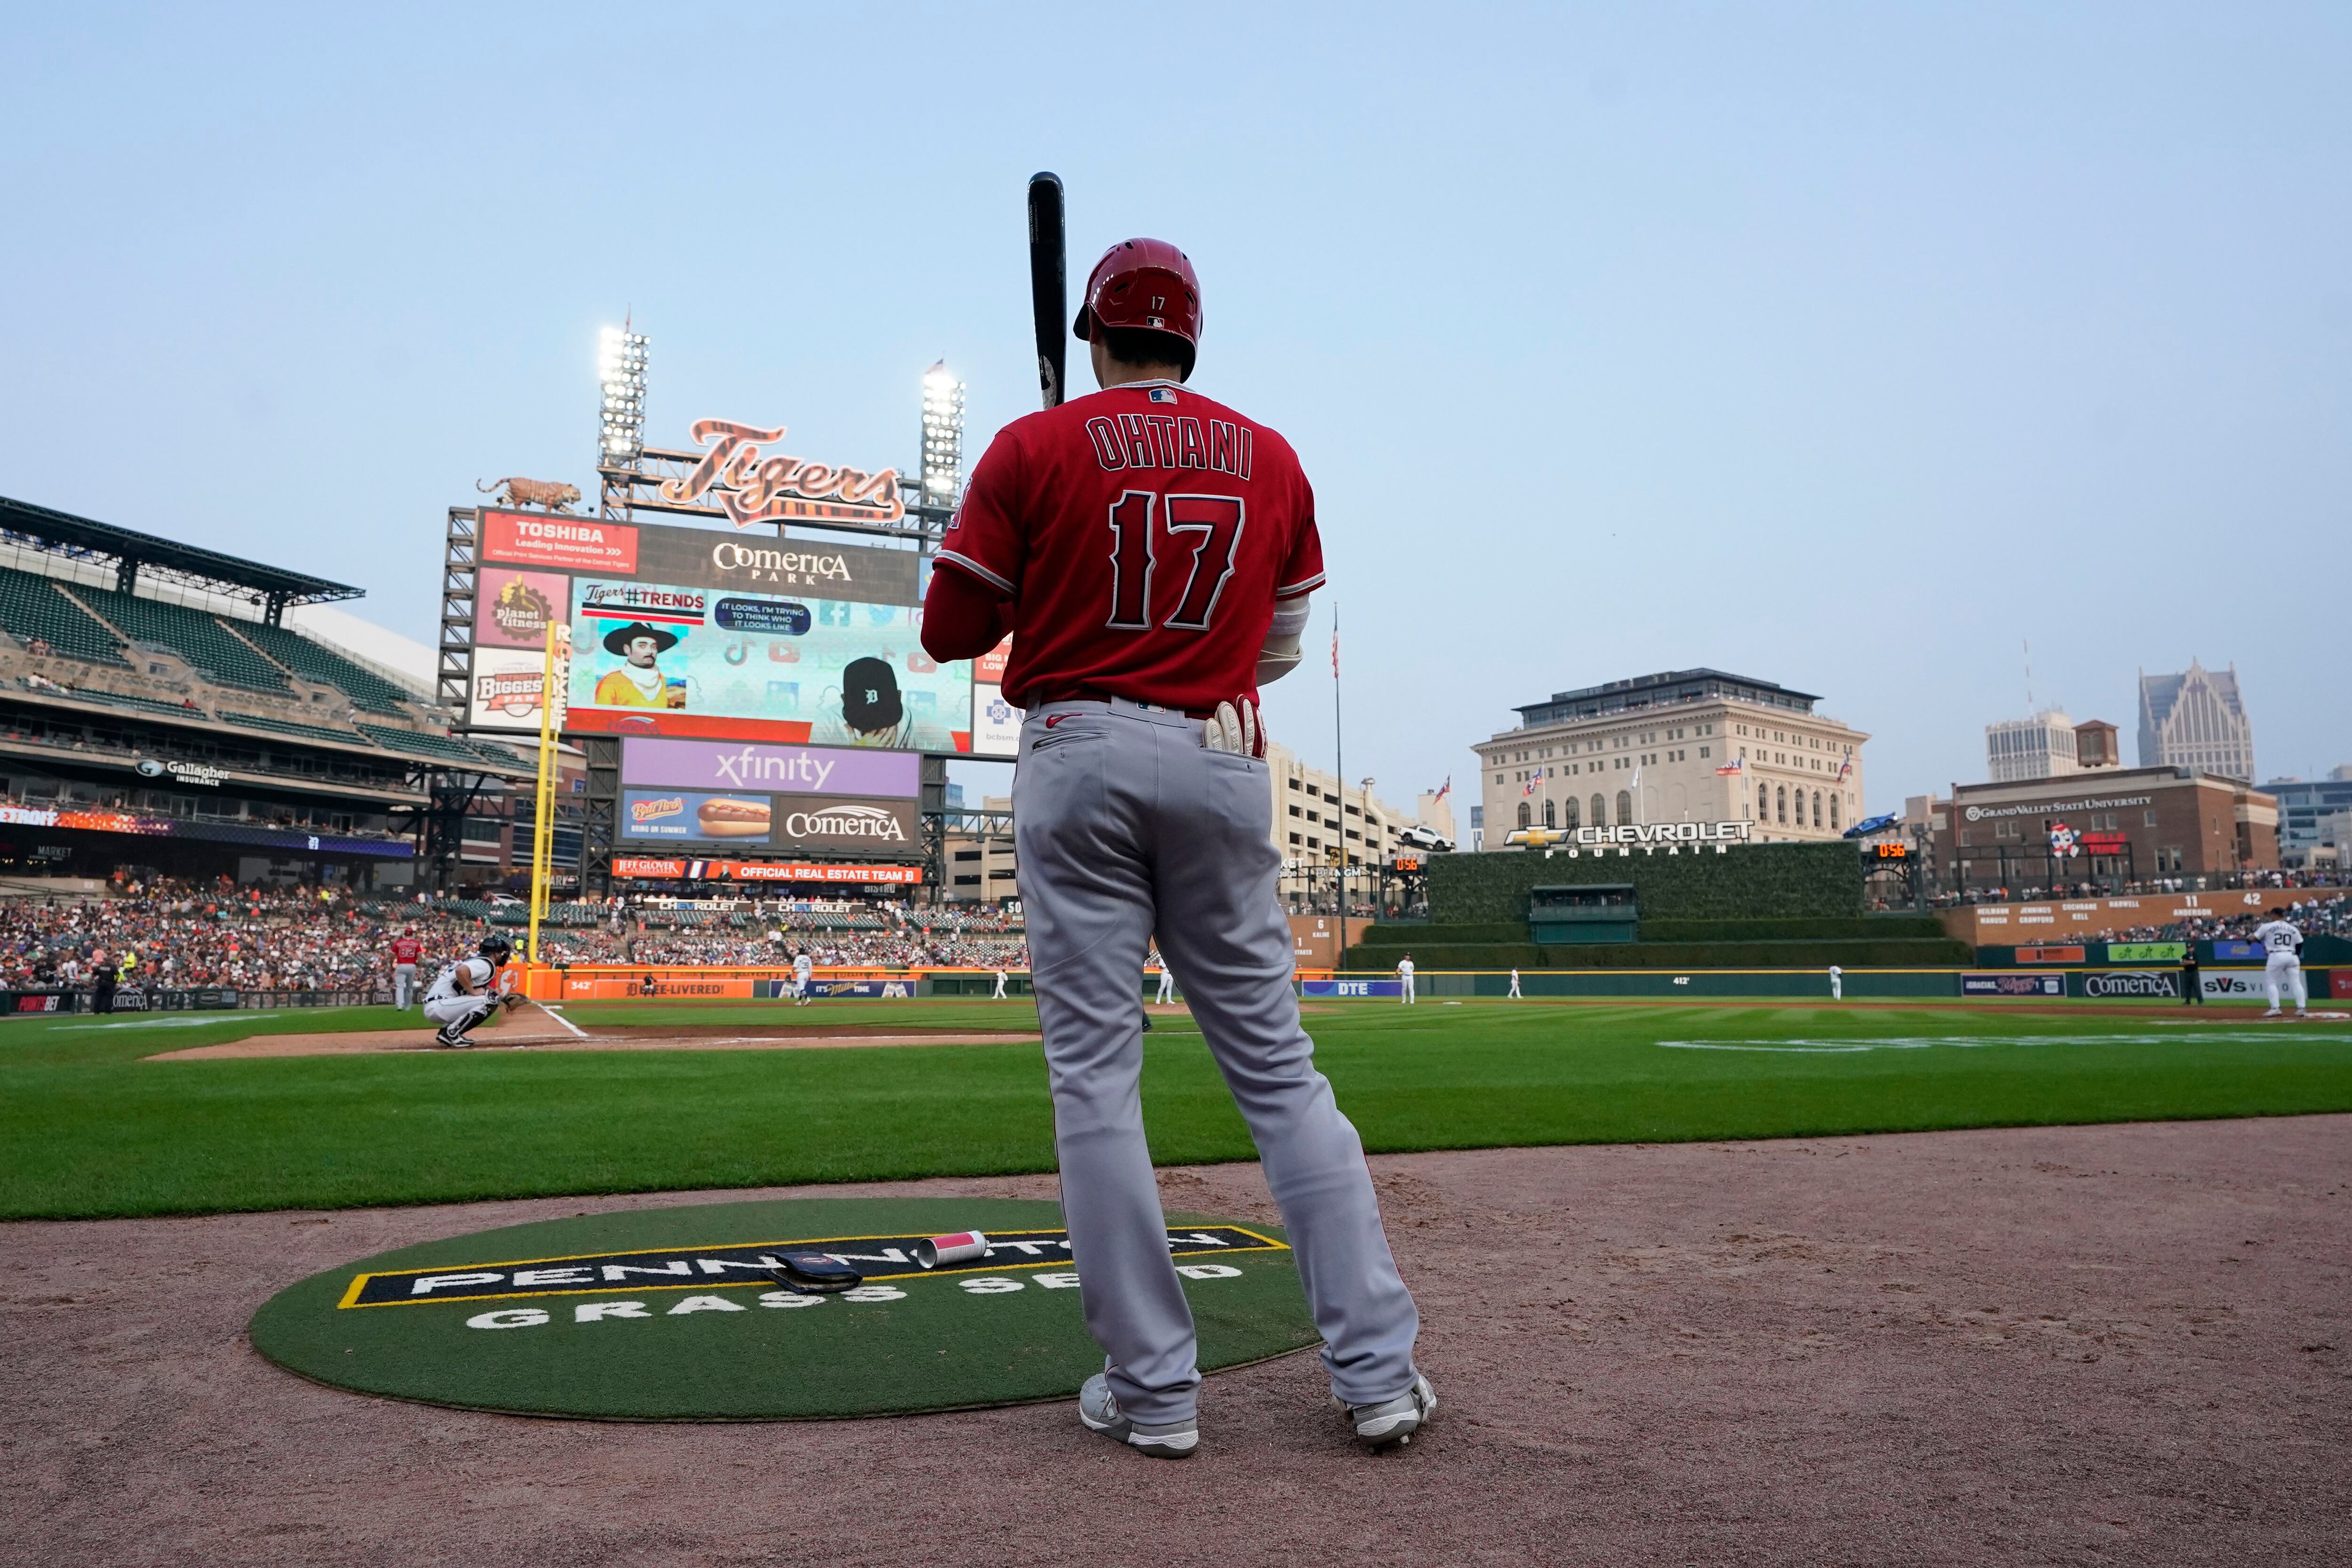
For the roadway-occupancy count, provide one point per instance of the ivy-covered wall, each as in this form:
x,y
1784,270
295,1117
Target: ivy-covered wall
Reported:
x,y
1749,881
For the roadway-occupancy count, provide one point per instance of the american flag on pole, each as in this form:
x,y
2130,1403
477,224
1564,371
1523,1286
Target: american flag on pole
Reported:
x,y
1444,790
1732,767
1533,779
1846,768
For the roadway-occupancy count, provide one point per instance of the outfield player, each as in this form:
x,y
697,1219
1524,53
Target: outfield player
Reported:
x,y
405,951
1151,552
2283,964
803,978
1515,985
1167,984
1837,984
466,992
1404,980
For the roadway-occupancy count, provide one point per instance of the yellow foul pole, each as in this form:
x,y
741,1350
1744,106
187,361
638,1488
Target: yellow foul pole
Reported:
x,y
554,694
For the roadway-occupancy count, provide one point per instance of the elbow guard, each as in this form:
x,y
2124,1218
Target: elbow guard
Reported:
x,y
1281,656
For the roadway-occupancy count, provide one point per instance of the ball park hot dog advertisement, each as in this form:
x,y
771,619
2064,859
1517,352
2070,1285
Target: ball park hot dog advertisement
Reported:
x,y
745,797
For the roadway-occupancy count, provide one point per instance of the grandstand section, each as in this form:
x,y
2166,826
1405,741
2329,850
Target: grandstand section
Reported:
x,y
158,718
287,727
35,611
368,691
207,645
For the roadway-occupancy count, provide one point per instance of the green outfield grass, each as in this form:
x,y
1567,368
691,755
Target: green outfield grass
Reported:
x,y
87,1128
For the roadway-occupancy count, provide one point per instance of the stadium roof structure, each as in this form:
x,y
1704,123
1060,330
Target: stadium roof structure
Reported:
x,y
136,555
1668,688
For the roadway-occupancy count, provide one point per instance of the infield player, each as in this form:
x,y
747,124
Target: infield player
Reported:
x,y
1152,551
2283,964
1404,980
405,951
466,992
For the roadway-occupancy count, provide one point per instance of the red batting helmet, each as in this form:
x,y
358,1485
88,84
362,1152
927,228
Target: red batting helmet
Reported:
x,y
1146,283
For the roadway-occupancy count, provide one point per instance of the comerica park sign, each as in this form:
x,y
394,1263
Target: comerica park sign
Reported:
x,y
1675,838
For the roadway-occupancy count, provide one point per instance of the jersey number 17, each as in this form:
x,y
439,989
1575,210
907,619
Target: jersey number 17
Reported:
x,y
1213,524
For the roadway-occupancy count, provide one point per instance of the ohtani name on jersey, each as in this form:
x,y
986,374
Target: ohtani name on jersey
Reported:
x,y
1171,441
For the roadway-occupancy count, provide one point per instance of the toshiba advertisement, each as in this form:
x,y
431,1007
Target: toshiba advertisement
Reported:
x,y
693,632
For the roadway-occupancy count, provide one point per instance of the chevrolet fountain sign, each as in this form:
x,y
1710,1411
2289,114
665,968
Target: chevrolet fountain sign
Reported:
x,y
1675,838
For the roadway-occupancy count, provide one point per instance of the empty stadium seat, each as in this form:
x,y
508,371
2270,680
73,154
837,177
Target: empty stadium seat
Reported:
x,y
440,747
287,727
194,636
313,661
32,607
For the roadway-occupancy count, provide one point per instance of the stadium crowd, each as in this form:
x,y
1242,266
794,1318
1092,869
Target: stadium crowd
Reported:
x,y
2314,917
178,936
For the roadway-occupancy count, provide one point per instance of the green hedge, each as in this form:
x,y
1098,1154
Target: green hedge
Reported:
x,y
1410,936
1897,953
1751,881
1865,928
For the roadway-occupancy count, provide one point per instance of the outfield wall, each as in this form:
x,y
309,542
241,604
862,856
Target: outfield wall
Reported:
x,y
1746,883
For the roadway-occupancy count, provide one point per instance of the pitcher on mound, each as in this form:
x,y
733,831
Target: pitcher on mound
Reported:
x,y
1152,553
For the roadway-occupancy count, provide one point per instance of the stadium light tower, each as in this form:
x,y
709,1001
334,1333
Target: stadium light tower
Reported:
x,y
942,436
621,373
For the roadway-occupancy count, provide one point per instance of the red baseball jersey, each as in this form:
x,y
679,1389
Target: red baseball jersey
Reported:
x,y
1144,534
406,949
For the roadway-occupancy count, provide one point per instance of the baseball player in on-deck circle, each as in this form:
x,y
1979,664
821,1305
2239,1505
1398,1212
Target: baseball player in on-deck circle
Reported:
x,y
2283,964
1152,551
405,950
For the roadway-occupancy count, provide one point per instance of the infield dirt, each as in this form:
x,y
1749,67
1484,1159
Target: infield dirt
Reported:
x,y
2115,1345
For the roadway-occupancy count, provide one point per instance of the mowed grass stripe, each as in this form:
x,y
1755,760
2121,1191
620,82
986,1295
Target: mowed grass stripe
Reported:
x,y
88,1129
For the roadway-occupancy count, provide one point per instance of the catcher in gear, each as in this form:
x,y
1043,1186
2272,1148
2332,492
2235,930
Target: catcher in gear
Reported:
x,y
467,991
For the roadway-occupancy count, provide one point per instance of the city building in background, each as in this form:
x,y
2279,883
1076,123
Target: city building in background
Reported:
x,y
2042,747
2314,820
2196,719
1682,745
1332,836
976,860
2047,746
2116,826
1322,837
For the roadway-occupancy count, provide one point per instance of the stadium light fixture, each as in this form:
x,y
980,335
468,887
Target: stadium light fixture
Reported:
x,y
621,375
942,435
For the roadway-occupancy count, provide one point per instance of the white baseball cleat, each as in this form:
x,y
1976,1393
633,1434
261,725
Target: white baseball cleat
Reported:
x,y
2272,1014
1393,1422
1099,1409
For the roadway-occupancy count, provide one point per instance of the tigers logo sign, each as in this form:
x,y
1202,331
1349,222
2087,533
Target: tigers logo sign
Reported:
x,y
750,488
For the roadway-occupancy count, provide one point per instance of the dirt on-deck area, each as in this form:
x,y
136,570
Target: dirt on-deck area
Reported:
x,y
2126,1345
540,1035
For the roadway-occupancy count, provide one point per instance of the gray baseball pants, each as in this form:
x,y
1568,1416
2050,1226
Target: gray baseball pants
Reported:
x,y
1126,826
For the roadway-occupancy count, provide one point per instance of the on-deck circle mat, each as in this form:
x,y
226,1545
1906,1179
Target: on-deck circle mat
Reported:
x,y
662,1315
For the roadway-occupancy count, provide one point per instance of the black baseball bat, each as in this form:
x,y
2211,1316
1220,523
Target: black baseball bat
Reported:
x,y
1048,284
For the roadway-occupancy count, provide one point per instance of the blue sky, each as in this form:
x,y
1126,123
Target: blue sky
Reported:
x,y
1844,346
